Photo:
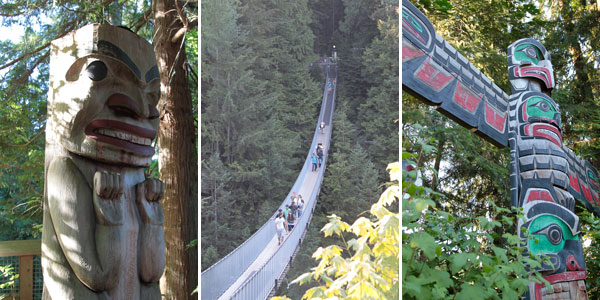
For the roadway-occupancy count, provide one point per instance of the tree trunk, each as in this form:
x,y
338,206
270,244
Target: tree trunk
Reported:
x,y
177,156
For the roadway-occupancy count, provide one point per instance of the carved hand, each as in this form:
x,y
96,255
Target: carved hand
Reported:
x,y
108,188
148,194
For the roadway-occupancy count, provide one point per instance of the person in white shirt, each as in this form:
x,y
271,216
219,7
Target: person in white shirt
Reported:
x,y
280,226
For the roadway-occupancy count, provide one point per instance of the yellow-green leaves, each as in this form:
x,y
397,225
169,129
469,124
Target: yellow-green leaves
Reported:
x,y
366,267
335,225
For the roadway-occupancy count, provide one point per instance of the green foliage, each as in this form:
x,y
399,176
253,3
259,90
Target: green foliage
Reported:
x,y
590,226
259,105
366,266
447,255
9,276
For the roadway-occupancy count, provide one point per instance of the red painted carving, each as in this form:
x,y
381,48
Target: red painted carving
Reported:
x,y
586,191
538,194
464,97
535,72
541,130
574,182
495,119
410,52
433,75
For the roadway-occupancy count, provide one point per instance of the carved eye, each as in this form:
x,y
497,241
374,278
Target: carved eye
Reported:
x,y
553,233
530,51
543,106
97,71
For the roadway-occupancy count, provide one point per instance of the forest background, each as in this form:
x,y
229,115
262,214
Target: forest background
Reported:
x,y
468,176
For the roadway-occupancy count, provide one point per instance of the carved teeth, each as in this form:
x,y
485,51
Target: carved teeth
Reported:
x,y
564,290
125,136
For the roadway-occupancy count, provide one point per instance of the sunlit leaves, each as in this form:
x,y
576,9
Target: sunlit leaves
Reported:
x,y
367,266
335,225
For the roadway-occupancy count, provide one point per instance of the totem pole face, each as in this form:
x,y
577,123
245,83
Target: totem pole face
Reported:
x,y
539,117
554,231
529,67
104,108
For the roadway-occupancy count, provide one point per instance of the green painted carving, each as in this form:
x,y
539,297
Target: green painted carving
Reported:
x,y
540,107
549,235
528,52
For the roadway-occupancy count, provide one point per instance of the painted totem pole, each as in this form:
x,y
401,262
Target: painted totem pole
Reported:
x,y
103,235
546,177
540,174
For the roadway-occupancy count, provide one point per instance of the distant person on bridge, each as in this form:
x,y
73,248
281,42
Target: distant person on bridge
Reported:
x,y
280,226
291,219
286,211
300,205
322,126
314,162
294,208
320,151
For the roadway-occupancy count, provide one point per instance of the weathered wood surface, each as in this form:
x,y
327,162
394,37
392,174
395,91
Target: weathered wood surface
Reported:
x,y
18,248
103,236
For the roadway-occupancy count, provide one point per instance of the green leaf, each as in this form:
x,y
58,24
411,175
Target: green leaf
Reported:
x,y
459,260
469,291
425,242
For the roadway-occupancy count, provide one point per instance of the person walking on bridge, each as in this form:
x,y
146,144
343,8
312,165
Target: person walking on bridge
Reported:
x,y
320,152
300,205
314,162
280,225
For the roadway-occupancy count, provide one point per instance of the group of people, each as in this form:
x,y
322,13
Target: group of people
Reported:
x,y
330,84
286,218
317,157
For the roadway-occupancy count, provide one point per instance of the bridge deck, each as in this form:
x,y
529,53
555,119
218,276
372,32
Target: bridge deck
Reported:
x,y
308,184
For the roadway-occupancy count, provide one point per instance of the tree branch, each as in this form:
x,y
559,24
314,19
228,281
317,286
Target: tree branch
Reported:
x,y
145,18
65,32
30,141
25,55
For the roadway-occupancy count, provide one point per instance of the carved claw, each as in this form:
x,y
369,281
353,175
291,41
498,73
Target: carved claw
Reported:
x,y
148,194
108,188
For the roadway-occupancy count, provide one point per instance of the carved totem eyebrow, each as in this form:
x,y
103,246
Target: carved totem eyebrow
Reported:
x,y
110,49
152,73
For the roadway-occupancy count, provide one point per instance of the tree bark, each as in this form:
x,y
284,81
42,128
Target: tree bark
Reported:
x,y
178,163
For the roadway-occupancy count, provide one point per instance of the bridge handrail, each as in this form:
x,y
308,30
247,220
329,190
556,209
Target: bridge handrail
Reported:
x,y
217,278
260,284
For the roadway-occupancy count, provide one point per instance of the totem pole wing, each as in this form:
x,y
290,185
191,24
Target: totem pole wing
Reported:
x,y
435,72
583,182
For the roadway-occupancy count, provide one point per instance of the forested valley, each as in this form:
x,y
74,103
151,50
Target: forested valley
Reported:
x,y
466,178
261,90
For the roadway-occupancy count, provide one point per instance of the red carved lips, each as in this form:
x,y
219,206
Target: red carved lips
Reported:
x,y
123,135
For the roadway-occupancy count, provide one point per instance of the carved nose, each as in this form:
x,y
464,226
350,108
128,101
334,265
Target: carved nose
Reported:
x,y
572,264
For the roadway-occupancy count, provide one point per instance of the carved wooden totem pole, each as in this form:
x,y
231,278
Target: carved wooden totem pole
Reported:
x,y
103,223
546,176
540,173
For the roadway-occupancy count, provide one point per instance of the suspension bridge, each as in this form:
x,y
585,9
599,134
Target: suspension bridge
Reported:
x,y
254,270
